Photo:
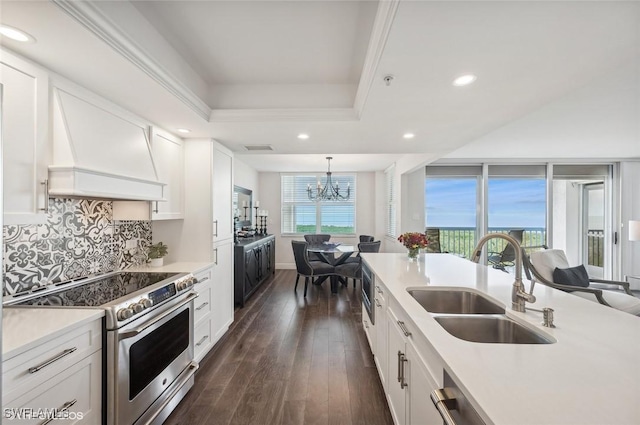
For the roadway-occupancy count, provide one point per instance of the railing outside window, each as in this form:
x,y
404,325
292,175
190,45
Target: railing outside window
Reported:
x,y
595,247
462,240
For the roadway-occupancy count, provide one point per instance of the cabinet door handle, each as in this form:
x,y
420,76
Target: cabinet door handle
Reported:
x,y
203,305
202,280
215,261
404,328
215,232
378,303
402,359
62,408
379,290
444,405
53,359
203,339
157,208
45,183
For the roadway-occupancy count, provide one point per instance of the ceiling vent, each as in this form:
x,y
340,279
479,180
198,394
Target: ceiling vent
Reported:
x,y
258,147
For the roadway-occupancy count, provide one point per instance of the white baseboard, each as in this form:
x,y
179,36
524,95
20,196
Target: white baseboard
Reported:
x,y
288,266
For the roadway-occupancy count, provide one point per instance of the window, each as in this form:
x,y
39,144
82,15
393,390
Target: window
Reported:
x,y
301,215
389,179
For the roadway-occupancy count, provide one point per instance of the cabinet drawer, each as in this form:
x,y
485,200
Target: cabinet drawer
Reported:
x,y
204,276
202,339
28,370
202,303
75,392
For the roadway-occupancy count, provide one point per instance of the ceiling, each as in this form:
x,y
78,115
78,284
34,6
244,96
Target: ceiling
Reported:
x,y
261,72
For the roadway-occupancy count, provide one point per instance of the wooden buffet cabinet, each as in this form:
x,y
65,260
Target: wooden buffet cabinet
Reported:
x,y
254,263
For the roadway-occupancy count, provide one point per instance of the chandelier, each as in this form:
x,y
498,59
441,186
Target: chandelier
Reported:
x,y
329,192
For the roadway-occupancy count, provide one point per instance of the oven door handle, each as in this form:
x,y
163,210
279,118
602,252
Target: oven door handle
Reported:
x,y
130,334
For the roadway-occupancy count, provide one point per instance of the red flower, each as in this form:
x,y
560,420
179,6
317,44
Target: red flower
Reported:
x,y
413,240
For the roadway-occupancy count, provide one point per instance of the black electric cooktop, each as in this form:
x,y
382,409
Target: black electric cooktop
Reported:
x,y
100,291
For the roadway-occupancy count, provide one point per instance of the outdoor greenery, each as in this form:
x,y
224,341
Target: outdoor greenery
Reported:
x,y
333,230
462,241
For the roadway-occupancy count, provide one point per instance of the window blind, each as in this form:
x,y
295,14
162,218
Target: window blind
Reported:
x,y
301,215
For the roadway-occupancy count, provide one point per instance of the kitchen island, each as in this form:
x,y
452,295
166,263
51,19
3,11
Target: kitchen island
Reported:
x,y
590,375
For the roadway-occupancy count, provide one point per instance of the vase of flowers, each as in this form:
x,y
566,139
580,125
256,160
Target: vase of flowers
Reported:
x,y
414,242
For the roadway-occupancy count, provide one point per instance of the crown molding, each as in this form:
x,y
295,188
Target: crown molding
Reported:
x,y
312,114
379,33
99,24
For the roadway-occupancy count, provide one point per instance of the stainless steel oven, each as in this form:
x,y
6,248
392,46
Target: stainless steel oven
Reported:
x,y
152,362
149,337
368,288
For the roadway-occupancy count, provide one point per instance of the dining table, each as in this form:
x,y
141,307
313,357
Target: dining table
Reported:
x,y
334,254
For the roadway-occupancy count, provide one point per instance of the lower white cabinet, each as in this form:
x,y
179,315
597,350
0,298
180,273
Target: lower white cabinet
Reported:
x,y
222,290
214,307
410,382
59,379
369,329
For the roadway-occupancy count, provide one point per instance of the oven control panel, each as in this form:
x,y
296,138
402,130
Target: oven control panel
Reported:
x,y
153,298
163,294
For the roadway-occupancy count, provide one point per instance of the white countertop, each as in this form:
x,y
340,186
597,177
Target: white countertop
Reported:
x,y
25,327
591,375
186,267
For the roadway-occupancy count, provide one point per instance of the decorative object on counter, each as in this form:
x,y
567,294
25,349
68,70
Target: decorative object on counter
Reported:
x,y
414,242
261,220
257,224
328,192
78,239
156,252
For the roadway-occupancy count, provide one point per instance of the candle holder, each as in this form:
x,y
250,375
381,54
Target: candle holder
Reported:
x,y
257,229
245,213
264,225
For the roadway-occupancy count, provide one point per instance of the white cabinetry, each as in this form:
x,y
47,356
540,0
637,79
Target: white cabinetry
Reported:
x,y
206,233
222,290
214,307
222,193
409,379
25,135
168,156
63,373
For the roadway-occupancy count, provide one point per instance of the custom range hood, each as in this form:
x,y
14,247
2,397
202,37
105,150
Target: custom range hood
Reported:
x,y
100,151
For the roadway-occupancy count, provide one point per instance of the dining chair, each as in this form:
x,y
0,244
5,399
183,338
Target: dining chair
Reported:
x,y
316,239
305,267
551,267
353,269
366,238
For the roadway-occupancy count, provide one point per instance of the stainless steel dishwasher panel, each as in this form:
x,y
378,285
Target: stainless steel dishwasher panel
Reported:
x,y
453,406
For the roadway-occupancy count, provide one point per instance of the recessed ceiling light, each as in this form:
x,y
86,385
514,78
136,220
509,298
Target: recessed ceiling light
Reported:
x,y
303,136
184,130
16,34
408,135
464,80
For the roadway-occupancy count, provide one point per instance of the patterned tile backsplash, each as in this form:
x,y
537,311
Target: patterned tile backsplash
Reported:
x,y
80,238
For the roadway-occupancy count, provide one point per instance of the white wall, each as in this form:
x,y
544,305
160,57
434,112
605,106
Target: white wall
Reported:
x,y
269,187
566,219
246,176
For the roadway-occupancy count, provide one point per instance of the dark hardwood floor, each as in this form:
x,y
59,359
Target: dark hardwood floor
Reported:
x,y
289,360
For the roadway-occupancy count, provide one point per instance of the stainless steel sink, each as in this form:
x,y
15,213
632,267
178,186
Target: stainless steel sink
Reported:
x,y
492,329
455,302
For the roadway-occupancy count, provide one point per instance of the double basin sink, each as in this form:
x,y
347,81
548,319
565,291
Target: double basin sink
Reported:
x,y
473,317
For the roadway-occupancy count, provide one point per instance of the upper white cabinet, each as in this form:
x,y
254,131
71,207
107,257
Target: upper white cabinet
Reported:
x,y
222,164
168,155
25,135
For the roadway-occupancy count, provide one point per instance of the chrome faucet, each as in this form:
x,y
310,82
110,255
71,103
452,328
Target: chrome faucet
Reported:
x,y
519,297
